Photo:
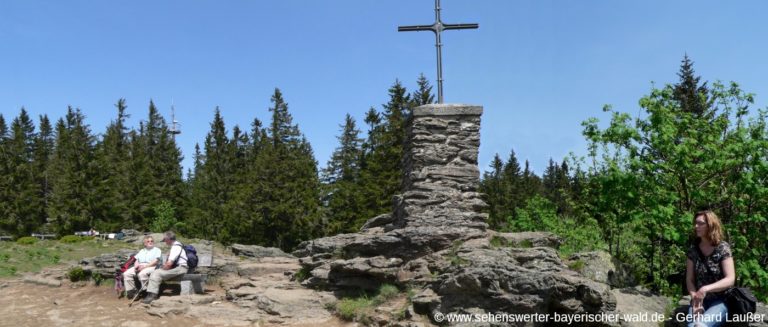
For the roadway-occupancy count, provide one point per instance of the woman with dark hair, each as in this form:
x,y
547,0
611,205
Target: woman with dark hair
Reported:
x,y
709,271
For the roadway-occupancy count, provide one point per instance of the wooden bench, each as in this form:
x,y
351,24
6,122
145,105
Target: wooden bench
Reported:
x,y
193,282
44,236
6,238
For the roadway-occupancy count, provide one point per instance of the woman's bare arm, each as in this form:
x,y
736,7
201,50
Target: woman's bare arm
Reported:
x,y
727,281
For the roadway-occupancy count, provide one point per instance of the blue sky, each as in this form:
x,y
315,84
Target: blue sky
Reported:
x,y
538,67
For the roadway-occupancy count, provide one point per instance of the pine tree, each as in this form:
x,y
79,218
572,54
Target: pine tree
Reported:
x,y
423,95
155,167
692,96
287,174
5,194
213,182
44,146
23,213
113,184
72,174
492,186
343,199
381,175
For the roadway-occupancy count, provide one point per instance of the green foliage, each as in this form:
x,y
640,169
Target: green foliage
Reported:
x,y
453,255
71,239
579,234
76,274
386,293
577,265
359,308
354,308
165,218
97,279
497,242
692,147
302,274
26,240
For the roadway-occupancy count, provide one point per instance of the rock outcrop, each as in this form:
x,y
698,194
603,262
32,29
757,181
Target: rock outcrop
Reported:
x,y
435,241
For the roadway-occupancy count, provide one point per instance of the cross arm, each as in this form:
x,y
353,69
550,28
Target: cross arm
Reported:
x,y
412,28
460,26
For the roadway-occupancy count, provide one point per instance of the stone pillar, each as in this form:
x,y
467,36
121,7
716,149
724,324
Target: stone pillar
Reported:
x,y
441,173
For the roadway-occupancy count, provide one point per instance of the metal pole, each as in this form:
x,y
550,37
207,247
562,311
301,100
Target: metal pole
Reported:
x,y
439,45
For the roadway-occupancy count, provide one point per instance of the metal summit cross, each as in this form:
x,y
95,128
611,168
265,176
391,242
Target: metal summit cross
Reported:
x,y
437,28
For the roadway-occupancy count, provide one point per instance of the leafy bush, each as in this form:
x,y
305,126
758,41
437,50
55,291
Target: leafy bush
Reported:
x,y
302,274
26,240
577,265
359,308
71,239
354,308
97,279
165,218
77,274
540,214
387,292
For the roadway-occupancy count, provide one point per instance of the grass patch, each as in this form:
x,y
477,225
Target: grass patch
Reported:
x,y
498,242
525,244
16,259
577,265
359,308
453,255
26,240
302,274
72,239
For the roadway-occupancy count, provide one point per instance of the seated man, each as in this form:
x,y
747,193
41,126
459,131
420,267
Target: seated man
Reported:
x,y
175,265
145,264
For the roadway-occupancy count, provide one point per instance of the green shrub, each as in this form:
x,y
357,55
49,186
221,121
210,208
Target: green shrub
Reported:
x,y
359,308
165,218
77,274
539,214
26,240
97,279
577,265
386,293
497,242
302,274
4,257
353,308
71,239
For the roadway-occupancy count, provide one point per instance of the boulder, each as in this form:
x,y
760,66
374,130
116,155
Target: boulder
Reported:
x,y
255,251
637,300
600,266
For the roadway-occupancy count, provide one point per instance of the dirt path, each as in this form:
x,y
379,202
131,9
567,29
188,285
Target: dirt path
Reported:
x,y
24,304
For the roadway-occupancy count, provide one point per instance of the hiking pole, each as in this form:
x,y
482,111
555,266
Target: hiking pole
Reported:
x,y
139,292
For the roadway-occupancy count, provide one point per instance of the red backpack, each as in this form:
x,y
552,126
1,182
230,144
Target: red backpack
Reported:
x,y
119,274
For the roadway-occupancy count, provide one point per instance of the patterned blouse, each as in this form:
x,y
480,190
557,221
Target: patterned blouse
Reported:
x,y
702,276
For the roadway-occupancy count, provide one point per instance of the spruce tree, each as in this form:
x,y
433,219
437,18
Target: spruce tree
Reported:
x,y
287,173
72,175
44,146
492,186
692,96
343,198
423,95
213,182
5,194
113,184
381,175
23,214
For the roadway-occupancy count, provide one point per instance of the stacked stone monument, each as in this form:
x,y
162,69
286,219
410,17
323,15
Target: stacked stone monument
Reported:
x,y
436,241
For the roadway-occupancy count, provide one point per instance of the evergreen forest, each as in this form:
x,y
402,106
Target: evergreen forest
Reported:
x,y
693,145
